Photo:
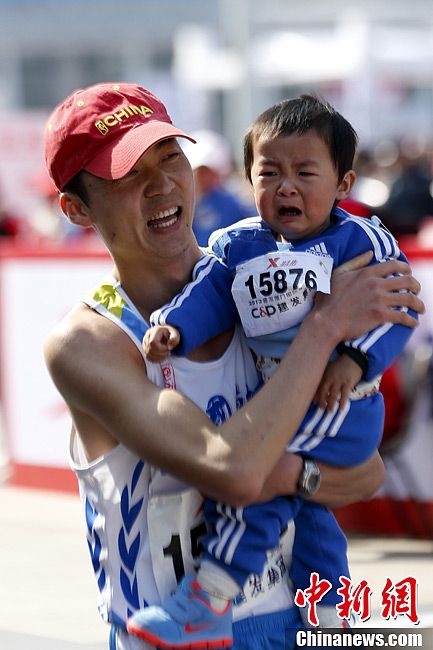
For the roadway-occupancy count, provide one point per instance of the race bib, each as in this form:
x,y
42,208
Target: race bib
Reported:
x,y
272,590
275,291
176,526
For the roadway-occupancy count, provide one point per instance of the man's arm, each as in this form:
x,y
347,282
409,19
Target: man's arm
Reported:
x,y
100,374
341,486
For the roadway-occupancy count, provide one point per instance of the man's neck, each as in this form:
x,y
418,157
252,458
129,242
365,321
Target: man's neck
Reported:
x,y
152,284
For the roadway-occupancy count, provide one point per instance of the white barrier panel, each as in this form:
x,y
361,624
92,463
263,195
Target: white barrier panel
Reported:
x,y
36,292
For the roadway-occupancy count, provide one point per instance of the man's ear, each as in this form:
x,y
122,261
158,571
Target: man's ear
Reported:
x,y
346,185
75,210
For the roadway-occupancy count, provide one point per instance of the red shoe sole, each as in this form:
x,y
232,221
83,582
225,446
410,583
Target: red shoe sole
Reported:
x,y
193,645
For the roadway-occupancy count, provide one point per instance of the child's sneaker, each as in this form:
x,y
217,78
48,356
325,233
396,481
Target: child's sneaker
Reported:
x,y
185,621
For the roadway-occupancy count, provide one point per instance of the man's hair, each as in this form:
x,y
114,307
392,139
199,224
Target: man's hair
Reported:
x,y
297,116
76,186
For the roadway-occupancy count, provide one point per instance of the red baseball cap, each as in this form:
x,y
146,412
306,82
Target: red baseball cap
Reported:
x,y
104,129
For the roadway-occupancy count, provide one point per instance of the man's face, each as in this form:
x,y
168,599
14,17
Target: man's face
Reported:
x,y
148,210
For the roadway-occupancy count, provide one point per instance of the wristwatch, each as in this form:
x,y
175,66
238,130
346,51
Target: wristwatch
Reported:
x,y
309,478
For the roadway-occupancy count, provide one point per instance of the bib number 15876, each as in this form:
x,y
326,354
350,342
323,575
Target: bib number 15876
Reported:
x,y
280,281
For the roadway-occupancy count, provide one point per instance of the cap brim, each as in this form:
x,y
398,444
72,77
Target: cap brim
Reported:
x,y
119,157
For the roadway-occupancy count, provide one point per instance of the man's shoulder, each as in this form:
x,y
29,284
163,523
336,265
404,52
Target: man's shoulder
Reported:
x,y
81,319
77,320
80,333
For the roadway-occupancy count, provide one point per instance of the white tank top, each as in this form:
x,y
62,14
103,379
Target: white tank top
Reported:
x,y
143,525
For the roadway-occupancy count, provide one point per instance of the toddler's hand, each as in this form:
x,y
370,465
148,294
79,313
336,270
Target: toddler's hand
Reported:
x,y
159,341
339,379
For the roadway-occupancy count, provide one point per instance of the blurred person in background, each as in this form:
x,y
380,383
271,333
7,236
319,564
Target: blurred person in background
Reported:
x,y
367,197
218,202
370,189
47,219
11,225
410,200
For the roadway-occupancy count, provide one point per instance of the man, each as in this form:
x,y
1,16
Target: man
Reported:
x,y
112,152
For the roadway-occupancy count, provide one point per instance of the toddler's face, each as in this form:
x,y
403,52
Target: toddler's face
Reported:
x,y
296,184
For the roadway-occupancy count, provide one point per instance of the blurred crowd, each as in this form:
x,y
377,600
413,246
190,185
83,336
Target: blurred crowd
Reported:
x,y
394,181
44,224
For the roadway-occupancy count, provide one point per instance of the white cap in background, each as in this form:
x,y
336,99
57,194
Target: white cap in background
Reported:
x,y
211,150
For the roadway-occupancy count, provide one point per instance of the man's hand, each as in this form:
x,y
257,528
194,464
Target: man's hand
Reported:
x,y
159,341
364,298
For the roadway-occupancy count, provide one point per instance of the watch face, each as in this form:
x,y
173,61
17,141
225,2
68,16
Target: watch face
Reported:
x,y
310,480
313,482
